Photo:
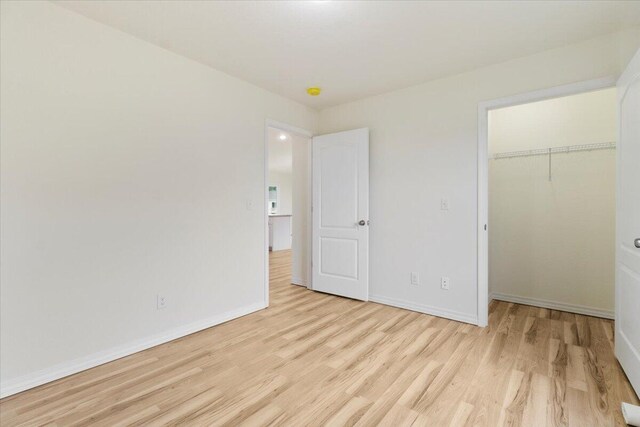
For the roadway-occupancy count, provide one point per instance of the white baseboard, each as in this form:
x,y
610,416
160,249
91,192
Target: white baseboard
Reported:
x,y
298,281
426,309
554,305
13,386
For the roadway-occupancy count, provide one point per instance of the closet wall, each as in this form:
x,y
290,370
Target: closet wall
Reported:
x,y
552,224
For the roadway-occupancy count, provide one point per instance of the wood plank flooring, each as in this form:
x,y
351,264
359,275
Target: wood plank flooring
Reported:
x,y
313,359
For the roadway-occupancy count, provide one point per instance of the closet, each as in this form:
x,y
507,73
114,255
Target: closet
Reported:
x,y
552,203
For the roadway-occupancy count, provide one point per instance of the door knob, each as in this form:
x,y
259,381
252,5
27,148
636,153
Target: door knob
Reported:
x,y
362,222
637,242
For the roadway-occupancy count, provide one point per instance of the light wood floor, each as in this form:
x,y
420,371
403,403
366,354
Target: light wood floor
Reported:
x,y
315,359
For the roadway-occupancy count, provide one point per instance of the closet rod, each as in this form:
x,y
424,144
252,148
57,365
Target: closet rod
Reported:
x,y
554,150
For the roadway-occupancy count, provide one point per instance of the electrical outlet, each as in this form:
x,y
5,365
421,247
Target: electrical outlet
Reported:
x,y
444,283
444,204
415,278
162,302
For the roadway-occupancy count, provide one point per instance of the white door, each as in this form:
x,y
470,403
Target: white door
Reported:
x,y
341,214
628,224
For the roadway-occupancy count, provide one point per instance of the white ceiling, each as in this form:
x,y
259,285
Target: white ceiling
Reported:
x,y
280,152
356,49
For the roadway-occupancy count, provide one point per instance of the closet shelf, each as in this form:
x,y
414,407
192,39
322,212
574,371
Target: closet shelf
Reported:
x,y
554,150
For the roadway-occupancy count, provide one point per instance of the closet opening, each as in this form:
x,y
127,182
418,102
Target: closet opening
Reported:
x,y
551,203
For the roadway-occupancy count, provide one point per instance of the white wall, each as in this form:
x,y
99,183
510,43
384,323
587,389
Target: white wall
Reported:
x,y
126,172
301,147
553,242
587,118
424,148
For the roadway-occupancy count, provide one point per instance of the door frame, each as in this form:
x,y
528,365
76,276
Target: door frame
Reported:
x,y
269,123
483,166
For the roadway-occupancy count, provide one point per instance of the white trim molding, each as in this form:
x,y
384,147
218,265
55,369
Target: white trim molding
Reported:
x,y
288,128
295,280
555,305
13,386
426,309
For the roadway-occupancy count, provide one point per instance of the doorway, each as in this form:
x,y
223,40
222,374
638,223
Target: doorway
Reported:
x,y
552,172
287,206
331,173
546,231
